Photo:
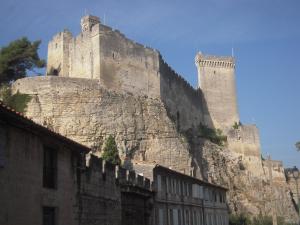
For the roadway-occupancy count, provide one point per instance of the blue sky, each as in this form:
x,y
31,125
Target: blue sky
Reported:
x,y
265,36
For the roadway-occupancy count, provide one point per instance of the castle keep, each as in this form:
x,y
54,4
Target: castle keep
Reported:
x,y
101,53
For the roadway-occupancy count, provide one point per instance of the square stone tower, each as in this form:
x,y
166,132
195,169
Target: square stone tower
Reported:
x,y
216,79
87,22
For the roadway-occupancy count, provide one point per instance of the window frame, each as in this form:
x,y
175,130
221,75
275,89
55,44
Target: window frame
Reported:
x,y
50,171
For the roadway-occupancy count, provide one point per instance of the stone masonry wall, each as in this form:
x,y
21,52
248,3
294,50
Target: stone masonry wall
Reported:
x,y
216,78
183,102
58,54
245,141
21,179
128,66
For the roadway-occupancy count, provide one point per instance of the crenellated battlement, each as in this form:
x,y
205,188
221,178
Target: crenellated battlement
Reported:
x,y
106,171
167,71
214,61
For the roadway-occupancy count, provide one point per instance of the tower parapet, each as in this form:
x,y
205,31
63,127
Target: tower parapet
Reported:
x,y
216,78
87,22
214,61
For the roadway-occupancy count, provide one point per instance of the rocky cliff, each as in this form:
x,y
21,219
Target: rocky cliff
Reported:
x,y
86,112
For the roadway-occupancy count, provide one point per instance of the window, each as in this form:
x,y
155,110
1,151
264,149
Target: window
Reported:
x,y
183,189
158,183
161,217
167,185
49,216
171,217
50,168
187,217
187,189
2,145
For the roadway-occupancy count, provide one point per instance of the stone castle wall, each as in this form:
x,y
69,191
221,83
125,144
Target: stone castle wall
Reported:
x,y
128,66
101,53
184,103
58,54
123,65
245,141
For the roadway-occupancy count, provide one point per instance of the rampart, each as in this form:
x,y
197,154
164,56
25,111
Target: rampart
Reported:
x,y
184,103
244,140
100,190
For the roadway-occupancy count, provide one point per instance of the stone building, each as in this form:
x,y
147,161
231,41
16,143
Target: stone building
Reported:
x,y
48,179
184,200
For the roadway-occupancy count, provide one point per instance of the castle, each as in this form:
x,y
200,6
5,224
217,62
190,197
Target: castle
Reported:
x,y
100,83
121,65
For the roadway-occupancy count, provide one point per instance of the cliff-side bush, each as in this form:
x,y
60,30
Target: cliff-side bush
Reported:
x,y
236,125
242,219
16,101
239,219
214,135
262,220
110,151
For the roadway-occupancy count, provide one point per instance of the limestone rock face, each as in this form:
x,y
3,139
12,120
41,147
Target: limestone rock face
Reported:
x,y
86,112
248,192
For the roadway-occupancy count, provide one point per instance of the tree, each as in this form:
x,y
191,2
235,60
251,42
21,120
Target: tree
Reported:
x,y
298,145
17,101
110,151
18,57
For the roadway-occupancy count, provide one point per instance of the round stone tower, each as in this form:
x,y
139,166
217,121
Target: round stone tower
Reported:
x,y
216,79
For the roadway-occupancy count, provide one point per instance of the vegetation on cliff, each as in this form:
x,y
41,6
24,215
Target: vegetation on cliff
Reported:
x,y
242,219
110,151
214,135
17,101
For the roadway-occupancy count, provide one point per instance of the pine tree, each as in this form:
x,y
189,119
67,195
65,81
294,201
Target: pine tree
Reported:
x,y
110,151
17,58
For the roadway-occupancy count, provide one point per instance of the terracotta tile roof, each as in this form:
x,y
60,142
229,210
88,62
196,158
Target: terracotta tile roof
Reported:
x,y
11,116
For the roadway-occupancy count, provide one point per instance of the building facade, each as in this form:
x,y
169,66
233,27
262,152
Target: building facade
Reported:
x,y
183,200
47,179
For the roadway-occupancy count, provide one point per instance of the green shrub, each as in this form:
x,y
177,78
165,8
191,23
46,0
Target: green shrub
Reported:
x,y
16,101
110,151
240,219
236,125
262,220
214,135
